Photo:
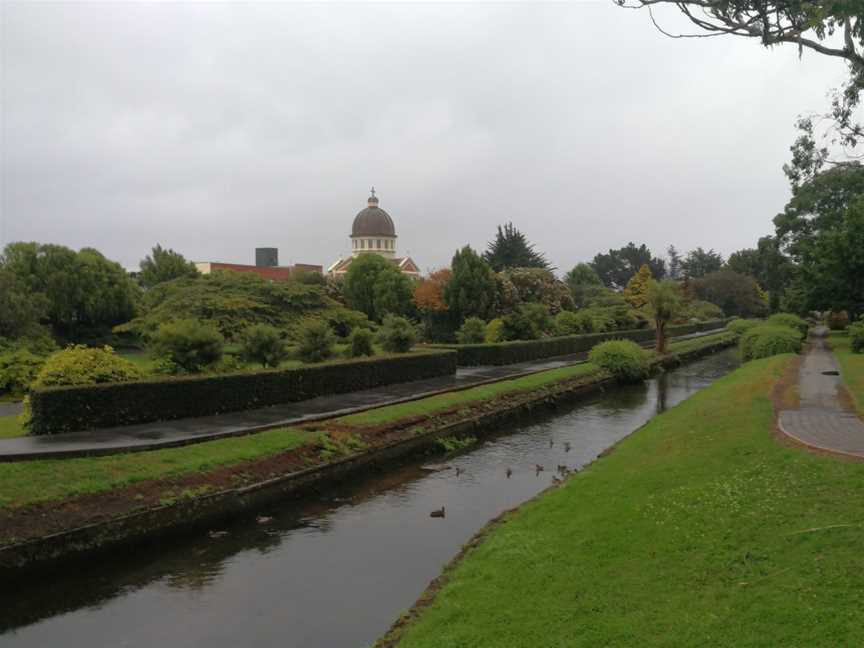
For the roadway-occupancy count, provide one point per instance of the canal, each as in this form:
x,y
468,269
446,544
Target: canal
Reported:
x,y
332,571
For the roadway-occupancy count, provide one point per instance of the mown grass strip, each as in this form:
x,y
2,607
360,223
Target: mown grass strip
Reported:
x,y
444,402
851,367
699,530
693,344
31,482
10,427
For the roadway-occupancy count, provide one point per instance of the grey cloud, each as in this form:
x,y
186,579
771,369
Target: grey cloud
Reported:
x,y
213,128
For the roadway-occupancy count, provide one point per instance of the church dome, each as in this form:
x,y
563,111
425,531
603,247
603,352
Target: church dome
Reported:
x,y
373,221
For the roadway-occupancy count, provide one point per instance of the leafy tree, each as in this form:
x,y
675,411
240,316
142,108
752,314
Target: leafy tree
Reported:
x,y
831,28
21,311
674,267
373,285
699,263
429,292
86,293
821,229
472,289
188,345
315,342
737,294
164,265
263,344
397,334
584,284
636,292
439,322
616,267
517,286
510,249
663,302
767,264
529,322
234,301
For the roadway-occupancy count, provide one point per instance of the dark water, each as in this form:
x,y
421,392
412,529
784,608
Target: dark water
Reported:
x,y
330,572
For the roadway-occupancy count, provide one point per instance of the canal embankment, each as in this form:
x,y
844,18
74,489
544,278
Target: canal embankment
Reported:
x,y
55,508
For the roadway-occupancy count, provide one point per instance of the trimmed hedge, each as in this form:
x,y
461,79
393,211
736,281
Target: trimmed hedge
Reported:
x,y
503,353
769,340
66,409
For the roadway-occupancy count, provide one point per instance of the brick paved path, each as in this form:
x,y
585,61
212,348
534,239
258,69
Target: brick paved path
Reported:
x,y
821,420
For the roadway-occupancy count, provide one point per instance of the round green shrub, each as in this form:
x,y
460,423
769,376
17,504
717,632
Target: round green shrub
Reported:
x,y
360,343
624,359
741,326
189,345
472,331
768,340
82,365
856,335
263,344
702,311
397,334
790,320
315,341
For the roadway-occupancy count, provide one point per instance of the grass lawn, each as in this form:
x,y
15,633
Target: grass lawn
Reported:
x,y
851,367
30,482
444,402
10,427
698,530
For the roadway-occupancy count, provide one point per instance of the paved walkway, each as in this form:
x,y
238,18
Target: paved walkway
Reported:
x,y
164,434
821,421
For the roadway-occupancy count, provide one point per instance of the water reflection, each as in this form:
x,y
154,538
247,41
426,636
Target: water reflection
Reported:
x,y
330,571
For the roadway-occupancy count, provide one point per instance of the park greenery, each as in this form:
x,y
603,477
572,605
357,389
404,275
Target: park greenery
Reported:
x,y
697,518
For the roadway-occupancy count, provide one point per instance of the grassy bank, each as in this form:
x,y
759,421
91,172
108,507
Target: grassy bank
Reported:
x,y
445,402
46,496
851,367
10,427
698,530
31,482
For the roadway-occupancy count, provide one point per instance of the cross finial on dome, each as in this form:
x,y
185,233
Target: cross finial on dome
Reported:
x,y
373,192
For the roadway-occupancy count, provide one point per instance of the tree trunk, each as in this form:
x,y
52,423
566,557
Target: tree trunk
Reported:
x,y
660,326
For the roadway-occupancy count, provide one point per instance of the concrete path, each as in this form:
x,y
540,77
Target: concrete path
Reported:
x,y
822,421
164,434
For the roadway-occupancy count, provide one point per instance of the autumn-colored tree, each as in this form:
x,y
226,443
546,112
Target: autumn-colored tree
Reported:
x,y
636,292
429,293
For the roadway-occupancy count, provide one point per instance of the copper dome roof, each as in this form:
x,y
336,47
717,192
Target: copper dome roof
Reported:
x,y
373,221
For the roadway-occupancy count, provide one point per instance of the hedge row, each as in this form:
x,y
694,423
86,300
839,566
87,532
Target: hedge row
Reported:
x,y
503,353
66,409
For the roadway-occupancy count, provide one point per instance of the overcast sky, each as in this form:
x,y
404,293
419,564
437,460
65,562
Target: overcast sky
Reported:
x,y
216,128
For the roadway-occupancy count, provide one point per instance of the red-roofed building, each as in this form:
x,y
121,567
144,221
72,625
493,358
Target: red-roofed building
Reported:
x,y
266,266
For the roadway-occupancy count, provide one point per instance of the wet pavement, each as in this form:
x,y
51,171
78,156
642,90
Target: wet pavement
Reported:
x,y
822,421
333,571
165,434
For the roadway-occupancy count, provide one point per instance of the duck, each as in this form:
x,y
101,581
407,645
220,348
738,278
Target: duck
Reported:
x,y
509,472
566,446
538,468
217,534
551,442
439,513
263,519
556,480
459,471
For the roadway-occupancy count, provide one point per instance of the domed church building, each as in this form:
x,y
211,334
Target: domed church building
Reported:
x,y
373,232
